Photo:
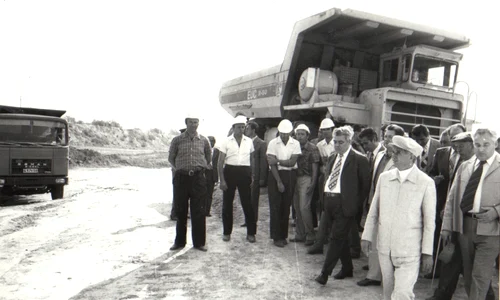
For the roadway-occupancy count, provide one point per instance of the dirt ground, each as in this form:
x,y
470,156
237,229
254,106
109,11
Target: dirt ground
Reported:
x,y
109,239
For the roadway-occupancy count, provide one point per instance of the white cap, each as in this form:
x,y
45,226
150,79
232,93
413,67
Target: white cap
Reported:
x,y
285,126
240,120
302,127
408,144
326,123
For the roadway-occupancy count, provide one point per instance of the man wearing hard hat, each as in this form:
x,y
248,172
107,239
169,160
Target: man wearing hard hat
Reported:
x,y
282,154
190,155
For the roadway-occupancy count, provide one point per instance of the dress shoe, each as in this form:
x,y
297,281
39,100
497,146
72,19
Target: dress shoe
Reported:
x,y
366,268
315,249
251,238
279,243
309,243
226,237
201,248
343,274
295,240
367,282
429,276
243,225
176,247
321,279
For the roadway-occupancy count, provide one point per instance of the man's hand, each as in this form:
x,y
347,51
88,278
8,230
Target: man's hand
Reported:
x,y
366,247
272,160
281,187
223,185
210,167
426,263
438,179
446,237
489,215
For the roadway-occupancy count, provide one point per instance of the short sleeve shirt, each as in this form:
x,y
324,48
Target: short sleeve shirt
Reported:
x,y
277,148
237,155
310,155
325,149
189,153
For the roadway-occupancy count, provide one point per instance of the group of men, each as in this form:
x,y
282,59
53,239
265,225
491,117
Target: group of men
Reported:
x,y
414,191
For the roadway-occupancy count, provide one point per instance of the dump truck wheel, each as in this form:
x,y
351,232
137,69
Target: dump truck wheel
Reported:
x,y
57,192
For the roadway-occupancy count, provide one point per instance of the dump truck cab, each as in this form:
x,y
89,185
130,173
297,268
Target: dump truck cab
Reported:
x,y
357,68
34,151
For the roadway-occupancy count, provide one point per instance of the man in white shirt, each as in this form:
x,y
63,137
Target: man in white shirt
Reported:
x,y
236,169
403,208
282,154
472,210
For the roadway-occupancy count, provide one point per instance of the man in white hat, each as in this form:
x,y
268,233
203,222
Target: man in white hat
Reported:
x,y
403,207
236,170
282,154
307,174
190,155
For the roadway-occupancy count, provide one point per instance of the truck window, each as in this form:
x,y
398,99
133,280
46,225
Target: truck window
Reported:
x,y
390,72
406,67
33,131
433,71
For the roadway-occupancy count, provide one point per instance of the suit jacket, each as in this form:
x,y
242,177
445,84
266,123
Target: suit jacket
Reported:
x,y
354,181
376,166
215,160
441,166
404,212
261,168
490,197
433,146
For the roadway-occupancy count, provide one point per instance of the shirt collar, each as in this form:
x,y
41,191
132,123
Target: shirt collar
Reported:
x,y
490,160
290,140
411,174
186,135
376,151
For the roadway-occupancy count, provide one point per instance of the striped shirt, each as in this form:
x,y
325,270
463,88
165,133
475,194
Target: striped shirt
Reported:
x,y
188,153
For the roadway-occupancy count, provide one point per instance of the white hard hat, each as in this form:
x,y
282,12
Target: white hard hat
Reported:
x,y
326,123
192,115
240,120
285,126
302,127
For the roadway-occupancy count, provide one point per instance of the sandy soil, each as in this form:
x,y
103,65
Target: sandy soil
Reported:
x,y
109,239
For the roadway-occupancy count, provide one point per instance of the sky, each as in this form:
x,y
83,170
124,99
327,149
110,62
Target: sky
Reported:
x,y
147,64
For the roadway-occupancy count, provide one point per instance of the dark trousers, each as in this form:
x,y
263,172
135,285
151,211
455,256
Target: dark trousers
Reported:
x,y
237,177
354,238
315,205
279,203
338,248
209,175
255,198
190,190
450,273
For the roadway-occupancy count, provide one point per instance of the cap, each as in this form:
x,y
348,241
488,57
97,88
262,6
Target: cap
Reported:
x,y
240,120
302,127
408,144
462,137
326,123
285,126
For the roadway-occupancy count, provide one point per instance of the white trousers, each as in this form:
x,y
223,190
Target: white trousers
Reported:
x,y
399,275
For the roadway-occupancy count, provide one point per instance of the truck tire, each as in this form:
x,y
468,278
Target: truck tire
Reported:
x,y
57,192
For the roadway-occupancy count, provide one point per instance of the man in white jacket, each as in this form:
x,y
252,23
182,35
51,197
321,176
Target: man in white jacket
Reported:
x,y
404,207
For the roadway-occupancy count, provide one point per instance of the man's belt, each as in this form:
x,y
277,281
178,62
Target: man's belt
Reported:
x,y
190,172
472,215
328,194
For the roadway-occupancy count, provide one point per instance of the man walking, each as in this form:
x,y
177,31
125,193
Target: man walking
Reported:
x,y
345,188
190,155
420,133
282,154
261,168
236,169
307,174
472,210
404,208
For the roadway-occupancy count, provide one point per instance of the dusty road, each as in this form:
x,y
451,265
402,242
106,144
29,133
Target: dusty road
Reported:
x,y
109,239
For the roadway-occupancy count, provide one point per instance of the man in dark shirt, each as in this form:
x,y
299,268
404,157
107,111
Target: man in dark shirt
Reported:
x,y
190,155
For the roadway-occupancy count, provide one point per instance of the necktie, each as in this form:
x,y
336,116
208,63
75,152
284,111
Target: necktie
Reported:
x,y
335,174
369,155
423,162
470,189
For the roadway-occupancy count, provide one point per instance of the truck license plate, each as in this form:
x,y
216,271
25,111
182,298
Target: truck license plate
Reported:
x,y
30,170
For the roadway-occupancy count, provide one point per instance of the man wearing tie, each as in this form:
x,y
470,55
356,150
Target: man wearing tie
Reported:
x,y
420,133
472,210
346,186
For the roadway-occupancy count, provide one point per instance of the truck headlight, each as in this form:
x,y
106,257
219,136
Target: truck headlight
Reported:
x,y
60,180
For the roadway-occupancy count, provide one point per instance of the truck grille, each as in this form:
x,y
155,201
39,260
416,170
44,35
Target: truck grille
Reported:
x,y
31,166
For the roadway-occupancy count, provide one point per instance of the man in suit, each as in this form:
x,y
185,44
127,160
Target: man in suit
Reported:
x,y
403,208
211,176
346,186
444,163
444,138
261,168
420,133
472,210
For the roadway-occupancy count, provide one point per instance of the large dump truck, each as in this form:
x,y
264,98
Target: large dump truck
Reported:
x,y
34,151
357,68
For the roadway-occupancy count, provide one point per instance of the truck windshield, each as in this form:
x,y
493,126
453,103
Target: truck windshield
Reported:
x,y
33,132
433,71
